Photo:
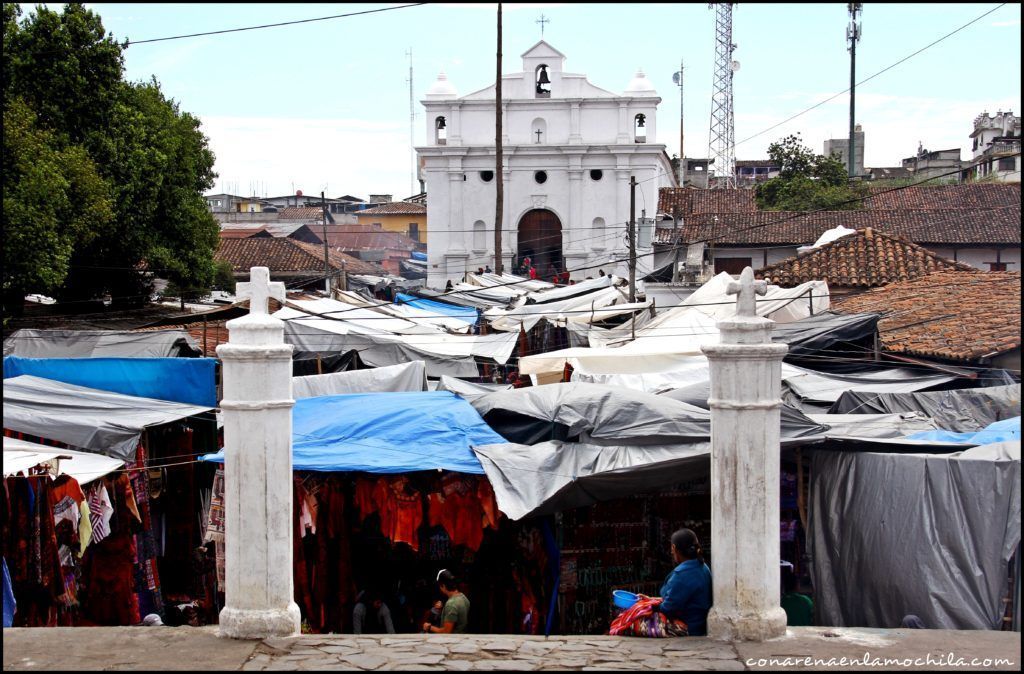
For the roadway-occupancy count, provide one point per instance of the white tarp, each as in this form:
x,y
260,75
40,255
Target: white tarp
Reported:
x,y
416,315
782,305
520,284
406,377
828,236
346,329
21,455
577,309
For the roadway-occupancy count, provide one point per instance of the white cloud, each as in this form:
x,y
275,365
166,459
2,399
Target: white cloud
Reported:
x,y
1006,24
353,156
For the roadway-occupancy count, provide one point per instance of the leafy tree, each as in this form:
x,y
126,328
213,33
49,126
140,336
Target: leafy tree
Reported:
x,y
54,202
806,180
152,158
224,277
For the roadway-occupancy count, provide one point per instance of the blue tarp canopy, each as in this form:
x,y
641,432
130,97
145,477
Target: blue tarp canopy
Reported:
x,y
999,431
416,255
182,380
468,314
386,433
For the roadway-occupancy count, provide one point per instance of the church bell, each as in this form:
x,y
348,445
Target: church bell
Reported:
x,y
440,122
543,79
640,121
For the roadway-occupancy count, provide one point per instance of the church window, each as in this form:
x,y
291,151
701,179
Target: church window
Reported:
x,y
541,177
440,131
479,235
640,128
487,176
596,174
542,81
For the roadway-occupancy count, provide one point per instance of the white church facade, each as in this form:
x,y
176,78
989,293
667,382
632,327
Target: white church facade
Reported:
x,y
570,149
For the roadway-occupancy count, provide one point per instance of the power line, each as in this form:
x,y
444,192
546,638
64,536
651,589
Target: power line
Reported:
x,y
129,43
867,79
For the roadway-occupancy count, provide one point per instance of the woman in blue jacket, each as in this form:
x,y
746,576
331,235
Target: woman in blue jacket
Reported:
x,y
686,594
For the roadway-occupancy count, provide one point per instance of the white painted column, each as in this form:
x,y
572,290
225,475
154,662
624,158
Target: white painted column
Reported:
x,y
574,122
746,381
625,131
259,596
573,232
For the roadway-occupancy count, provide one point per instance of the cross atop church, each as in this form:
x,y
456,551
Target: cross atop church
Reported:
x,y
745,290
538,132
542,20
259,290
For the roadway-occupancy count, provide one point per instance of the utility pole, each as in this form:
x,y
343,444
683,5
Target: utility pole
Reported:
x,y
499,174
632,239
852,38
722,135
327,263
678,79
675,243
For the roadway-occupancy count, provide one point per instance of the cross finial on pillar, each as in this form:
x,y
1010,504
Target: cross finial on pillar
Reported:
x,y
259,290
745,290
542,20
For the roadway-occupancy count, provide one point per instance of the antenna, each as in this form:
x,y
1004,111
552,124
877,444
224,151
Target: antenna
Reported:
x,y
722,135
412,125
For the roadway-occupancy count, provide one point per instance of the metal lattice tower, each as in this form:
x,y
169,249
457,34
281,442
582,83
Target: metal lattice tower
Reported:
x,y
722,136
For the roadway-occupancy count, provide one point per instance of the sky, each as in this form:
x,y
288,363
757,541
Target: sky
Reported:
x,y
325,105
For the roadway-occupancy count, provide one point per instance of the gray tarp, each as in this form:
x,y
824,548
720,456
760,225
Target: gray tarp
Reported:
x,y
100,344
932,535
408,377
468,389
89,419
554,476
959,410
814,334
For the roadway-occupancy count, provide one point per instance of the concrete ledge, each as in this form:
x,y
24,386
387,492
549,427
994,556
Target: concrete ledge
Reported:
x,y
185,648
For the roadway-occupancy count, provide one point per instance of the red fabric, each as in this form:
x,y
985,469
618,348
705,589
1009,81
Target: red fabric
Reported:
x,y
533,273
641,609
364,498
109,596
404,513
488,503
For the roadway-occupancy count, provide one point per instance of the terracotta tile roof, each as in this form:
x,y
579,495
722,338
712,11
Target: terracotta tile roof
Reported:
x,y
953,315
691,200
301,213
345,238
999,226
394,208
284,255
866,259
946,197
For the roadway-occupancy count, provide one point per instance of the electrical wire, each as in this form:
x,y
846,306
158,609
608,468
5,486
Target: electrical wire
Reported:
x,y
129,43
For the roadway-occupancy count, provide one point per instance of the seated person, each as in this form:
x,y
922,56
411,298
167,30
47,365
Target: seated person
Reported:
x,y
799,608
371,615
682,609
686,593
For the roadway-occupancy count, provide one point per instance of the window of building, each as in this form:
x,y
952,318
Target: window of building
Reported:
x,y
541,177
1007,164
640,128
543,81
487,176
732,265
598,232
479,235
596,174
440,131
414,231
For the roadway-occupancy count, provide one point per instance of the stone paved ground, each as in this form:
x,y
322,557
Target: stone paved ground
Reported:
x,y
184,648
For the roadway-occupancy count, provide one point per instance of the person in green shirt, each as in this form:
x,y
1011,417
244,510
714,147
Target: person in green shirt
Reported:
x,y
799,608
455,614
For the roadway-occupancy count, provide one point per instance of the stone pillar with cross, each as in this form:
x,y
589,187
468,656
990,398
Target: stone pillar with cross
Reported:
x,y
746,382
259,599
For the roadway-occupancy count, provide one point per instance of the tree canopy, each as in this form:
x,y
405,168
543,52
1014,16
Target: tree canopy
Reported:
x,y
806,180
103,177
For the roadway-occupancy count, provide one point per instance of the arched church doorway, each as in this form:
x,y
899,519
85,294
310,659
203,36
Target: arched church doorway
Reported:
x,y
540,239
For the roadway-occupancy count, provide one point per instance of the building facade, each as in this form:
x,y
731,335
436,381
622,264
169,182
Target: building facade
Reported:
x,y
841,148
570,149
944,165
996,148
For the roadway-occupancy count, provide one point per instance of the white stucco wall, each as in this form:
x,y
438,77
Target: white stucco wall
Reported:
x,y
584,128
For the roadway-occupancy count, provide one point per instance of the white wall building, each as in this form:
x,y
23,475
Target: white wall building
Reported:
x,y
570,148
996,147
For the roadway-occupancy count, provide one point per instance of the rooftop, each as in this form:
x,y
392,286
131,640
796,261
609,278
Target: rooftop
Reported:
x,y
394,208
865,259
952,315
282,255
301,213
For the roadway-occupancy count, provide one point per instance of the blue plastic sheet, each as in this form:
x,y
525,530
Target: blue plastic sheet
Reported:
x,y
9,603
386,433
468,314
416,255
184,380
999,431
